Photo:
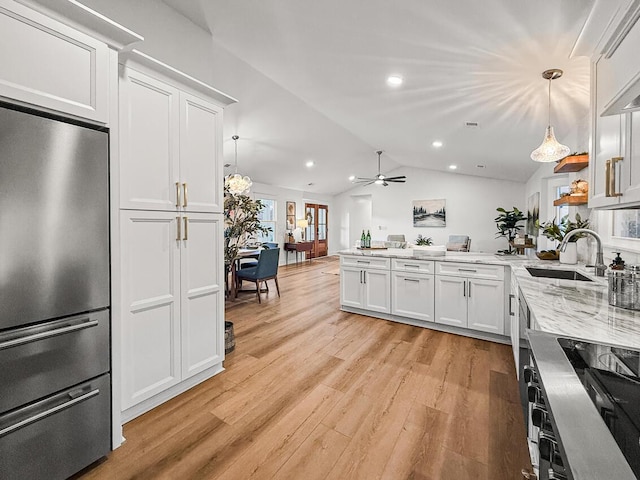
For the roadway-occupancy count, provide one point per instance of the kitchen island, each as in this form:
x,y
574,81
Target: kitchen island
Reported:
x,y
461,293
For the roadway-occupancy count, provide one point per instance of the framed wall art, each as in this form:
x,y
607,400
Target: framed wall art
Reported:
x,y
429,213
291,215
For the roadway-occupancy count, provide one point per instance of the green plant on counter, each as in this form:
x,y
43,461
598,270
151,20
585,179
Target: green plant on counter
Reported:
x,y
423,241
557,231
507,224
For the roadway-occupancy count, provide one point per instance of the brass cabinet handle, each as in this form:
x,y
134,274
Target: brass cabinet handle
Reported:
x,y
184,195
178,234
186,228
177,194
612,177
607,179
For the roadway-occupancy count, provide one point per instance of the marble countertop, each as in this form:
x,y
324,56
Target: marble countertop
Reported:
x,y
467,257
560,307
576,309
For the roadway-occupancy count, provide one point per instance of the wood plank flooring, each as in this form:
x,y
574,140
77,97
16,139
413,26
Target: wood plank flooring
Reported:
x,y
315,393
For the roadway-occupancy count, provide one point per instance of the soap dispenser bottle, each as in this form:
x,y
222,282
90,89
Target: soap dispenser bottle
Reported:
x,y
617,263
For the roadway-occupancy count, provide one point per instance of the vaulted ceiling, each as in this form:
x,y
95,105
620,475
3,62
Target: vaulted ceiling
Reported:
x,y
461,61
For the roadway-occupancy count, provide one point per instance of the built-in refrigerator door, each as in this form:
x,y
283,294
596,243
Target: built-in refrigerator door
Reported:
x,y
54,218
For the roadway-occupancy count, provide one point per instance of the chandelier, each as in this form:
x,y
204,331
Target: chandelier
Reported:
x,y
235,183
550,150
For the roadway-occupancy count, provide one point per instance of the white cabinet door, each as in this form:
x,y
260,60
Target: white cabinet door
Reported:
x,y
351,290
412,295
51,65
485,301
200,155
377,290
149,144
150,304
514,315
451,300
202,295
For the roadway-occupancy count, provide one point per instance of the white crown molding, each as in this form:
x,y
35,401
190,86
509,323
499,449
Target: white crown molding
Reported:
x,y
140,58
82,18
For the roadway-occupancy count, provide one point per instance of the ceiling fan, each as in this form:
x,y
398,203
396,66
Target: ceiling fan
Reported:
x,y
379,179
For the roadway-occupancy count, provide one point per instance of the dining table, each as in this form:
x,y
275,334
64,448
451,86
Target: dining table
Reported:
x,y
243,253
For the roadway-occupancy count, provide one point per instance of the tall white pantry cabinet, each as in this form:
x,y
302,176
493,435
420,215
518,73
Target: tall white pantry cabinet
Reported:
x,y
171,230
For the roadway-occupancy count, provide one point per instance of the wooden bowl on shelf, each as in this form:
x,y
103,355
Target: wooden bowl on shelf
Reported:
x,y
548,255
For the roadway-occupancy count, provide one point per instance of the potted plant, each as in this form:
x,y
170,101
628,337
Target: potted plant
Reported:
x,y
241,223
557,231
424,241
507,223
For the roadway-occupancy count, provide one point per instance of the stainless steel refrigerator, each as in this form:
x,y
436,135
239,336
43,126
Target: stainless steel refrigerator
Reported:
x,y
55,401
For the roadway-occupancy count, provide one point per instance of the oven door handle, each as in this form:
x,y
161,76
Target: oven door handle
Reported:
x,y
54,331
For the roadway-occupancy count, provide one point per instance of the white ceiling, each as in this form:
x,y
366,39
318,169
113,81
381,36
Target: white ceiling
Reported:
x,y
464,60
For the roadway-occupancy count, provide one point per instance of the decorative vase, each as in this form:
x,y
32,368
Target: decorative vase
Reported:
x,y
570,255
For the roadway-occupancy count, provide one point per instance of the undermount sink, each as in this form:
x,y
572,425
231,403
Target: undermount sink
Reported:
x,y
553,273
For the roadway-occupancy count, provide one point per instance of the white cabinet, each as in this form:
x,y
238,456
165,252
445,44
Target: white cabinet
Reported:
x,y
451,300
514,316
366,286
50,65
615,89
412,289
172,300
170,147
468,301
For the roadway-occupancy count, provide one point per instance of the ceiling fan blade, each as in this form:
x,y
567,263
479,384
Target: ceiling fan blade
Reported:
x,y
385,184
363,179
394,181
395,178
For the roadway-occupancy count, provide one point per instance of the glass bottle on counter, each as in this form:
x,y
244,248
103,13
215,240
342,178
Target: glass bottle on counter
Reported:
x,y
368,242
363,240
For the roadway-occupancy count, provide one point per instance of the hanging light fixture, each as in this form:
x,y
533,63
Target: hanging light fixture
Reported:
x,y
235,183
550,150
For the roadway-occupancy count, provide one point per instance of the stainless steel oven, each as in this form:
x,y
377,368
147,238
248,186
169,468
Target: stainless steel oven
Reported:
x,y
576,428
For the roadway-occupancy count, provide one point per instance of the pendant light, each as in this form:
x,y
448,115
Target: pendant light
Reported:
x,y
235,183
550,150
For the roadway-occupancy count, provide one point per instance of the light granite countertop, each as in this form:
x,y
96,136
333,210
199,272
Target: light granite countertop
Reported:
x,y
560,307
468,257
577,309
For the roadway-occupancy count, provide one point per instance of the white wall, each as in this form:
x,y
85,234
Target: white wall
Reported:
x,y
282,196
471,208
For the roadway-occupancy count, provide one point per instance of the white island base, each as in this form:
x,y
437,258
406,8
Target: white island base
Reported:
x,y
460,294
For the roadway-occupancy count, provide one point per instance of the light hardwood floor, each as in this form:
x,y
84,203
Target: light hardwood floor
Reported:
x,y
315,393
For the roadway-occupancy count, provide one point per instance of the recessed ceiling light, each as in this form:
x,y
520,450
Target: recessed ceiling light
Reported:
x,y
310,163
452,167
437,144
480,166
395,80
352,178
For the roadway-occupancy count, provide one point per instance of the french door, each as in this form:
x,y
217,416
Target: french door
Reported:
x,y
317,231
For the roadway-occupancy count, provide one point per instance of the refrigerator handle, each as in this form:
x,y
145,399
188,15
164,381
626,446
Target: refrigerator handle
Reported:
x,y
186,228
50,411
84,323
178,230
184,195
177,194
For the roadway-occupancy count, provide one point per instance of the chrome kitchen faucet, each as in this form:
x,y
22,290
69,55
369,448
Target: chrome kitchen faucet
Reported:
x,y
600,266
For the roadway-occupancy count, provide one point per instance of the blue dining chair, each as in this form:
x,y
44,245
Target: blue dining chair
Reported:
x,y
252,261
267,269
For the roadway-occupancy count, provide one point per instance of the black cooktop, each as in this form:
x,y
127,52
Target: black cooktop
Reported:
x,y
610,375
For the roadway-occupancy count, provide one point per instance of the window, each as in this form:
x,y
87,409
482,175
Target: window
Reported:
x,y
267,217
562,210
